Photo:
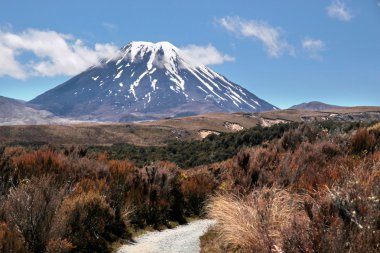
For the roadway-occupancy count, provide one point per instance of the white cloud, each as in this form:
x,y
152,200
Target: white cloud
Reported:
x,y
110,27
313,47
54,53
339,10
270,36
206,55
8,64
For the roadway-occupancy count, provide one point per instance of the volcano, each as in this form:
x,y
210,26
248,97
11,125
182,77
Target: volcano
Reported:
x,y
147,81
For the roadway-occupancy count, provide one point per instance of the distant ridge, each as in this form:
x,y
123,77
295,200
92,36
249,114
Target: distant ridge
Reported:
x,y
13,112
16,112
315,106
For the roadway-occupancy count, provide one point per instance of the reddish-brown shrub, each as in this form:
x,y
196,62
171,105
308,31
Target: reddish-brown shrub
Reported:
x,y
163,199
255,167
59,246
122,176
38,163
196,188
30,209
11,241
82,220
311,164
291,139
363,142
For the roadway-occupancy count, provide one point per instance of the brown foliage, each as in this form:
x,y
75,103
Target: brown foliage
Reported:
x,y
340,214
256,223
10,241
162,196
290,140
363,141
70,201
122,176
30,209
340,195
196,189
38,163
59,246
83,220
64,200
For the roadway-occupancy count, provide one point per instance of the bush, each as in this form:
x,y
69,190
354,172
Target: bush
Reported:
x,y
196,189
82,220
291,139
30,209
340,210
10,241
363,142
187,154
59,246
158,196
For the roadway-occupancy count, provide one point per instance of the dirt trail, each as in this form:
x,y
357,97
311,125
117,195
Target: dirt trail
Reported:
x,y
182,239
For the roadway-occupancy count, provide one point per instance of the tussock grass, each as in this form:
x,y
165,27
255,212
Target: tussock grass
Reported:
x,y
375,127
255,223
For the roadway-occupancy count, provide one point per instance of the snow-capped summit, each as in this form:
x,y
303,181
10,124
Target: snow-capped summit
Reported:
x,y
148,80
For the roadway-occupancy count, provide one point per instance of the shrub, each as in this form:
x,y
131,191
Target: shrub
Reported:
x,y
255,167
291,139
30,209
10,241
59,246
160,197
196,188
312,164
38,163
82,220
363,142
121,177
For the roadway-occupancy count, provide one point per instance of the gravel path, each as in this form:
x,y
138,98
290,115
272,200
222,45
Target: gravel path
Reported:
x,y
182,239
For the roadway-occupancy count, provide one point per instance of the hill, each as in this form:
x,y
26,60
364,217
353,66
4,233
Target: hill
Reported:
x,y
15,112
314,106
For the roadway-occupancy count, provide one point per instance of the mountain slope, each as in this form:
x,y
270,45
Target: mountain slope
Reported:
x,y
14,112
147,81
314,106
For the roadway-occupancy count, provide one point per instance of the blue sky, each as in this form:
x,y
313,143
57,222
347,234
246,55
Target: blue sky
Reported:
x,y
286,52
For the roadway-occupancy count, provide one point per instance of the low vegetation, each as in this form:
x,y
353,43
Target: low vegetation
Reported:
x,y
62,201
187,154
287,188
304,192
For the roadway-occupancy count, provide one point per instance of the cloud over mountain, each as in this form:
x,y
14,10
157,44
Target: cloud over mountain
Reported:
x,y
271,37
55,53
52,53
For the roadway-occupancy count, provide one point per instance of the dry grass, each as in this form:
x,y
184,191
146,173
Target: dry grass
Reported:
x,y
92,134
375,127
255,223
153,133
211,243
339,211
158,132
213,122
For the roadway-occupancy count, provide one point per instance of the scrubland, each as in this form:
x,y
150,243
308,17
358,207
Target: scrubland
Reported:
x,y
288,188
312,190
